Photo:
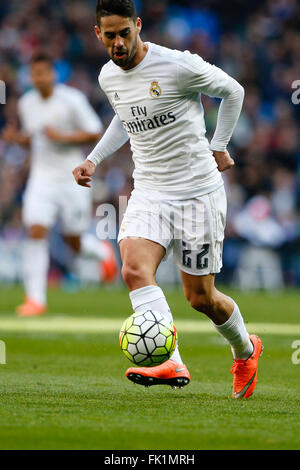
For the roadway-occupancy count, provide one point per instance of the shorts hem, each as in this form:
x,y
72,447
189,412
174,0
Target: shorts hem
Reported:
x,y
165,246
208,273
40,223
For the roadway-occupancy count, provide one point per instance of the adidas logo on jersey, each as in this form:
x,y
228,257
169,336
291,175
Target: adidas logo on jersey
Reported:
x,y
117,98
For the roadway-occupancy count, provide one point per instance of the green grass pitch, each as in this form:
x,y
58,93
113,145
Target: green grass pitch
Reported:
x,y
63,386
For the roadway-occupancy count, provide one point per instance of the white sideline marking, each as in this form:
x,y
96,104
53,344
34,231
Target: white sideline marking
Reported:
x,y
63,324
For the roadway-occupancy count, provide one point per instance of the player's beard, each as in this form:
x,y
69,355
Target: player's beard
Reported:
x,y
126,61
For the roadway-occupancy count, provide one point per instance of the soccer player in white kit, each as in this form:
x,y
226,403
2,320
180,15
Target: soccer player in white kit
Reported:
x,y
56,121
178,203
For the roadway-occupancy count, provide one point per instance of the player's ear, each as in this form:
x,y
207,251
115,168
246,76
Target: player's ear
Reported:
x,y
98,33
139,25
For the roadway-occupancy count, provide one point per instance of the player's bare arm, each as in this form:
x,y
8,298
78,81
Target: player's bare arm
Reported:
x,y
83,173
12,135
73,138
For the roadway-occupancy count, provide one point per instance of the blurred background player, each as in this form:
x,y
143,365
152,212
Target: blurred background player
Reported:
x,y
56,121
176,170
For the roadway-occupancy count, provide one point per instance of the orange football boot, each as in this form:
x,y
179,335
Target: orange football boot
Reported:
x,y
30,308
245,371
168,373
109,268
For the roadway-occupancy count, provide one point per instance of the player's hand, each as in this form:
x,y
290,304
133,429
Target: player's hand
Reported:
x,y
83,173
10,134
224,160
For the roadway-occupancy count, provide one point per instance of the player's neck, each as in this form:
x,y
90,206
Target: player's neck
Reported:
x,y
141,53
46,93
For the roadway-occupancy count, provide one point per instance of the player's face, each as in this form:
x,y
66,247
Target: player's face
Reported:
x,y
42,75
120,38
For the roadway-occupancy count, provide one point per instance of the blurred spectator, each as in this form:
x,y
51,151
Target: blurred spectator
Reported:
x,y
259,265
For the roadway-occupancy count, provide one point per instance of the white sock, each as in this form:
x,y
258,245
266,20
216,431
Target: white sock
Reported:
x,y
234,331
36,265
152,298
94,248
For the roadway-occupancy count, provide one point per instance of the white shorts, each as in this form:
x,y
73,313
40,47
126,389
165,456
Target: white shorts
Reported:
x,y
193,229
46,203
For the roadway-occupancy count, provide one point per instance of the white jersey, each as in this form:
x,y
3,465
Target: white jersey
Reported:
x,y
159,105
66,110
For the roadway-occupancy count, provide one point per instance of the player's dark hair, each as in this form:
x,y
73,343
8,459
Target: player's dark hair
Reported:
x,y
125,8
42,57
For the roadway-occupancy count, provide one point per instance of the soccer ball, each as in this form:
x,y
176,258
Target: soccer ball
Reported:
x,y
147,339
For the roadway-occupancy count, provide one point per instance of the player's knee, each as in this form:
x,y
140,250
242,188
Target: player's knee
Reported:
x,y
37,232
74,243
134,276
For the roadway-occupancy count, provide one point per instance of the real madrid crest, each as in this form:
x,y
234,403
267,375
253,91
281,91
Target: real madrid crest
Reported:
x,y
155,90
